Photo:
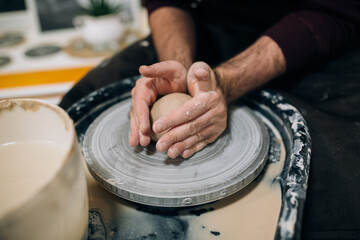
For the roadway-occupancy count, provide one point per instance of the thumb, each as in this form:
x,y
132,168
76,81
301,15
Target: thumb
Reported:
x,y
199,78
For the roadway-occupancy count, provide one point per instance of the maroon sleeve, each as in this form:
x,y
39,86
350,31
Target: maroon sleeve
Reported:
x,y
152,5
316,31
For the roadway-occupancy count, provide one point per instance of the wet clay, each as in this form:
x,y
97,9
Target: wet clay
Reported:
x,y
26,167
163,106
252,213
34,105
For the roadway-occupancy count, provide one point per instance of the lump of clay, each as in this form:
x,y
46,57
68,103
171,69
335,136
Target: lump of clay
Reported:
x,y
163,106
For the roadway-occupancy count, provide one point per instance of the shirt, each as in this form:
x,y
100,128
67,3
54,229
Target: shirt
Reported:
x,y
308,32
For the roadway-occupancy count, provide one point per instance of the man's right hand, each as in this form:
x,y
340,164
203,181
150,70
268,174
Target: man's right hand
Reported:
x,y
197,122
159,79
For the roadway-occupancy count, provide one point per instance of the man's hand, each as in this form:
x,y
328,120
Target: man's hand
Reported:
x,y
159,79
199,121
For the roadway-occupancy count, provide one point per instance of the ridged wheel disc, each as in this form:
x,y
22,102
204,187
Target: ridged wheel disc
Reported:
x,y
149,177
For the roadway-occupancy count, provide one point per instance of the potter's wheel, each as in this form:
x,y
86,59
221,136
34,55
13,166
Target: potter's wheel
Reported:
x,y
149,177
113,217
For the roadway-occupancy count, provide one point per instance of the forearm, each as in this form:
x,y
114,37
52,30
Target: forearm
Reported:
x,y
316,32
250,69
173,34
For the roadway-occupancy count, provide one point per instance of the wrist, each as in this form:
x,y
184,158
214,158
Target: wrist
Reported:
x,y
220,86
184,59
174,40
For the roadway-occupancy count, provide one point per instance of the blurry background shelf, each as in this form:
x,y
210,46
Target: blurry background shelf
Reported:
x,y
59,57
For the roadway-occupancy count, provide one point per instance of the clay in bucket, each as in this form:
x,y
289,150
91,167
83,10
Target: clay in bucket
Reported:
x,y
42,182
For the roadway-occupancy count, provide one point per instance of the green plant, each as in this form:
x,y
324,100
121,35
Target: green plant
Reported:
x,y
99,7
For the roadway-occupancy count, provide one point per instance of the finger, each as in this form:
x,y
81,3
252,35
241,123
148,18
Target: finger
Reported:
x,y
186,130
166,69
142,98
143,122
144,90
197,147
141,116
142,112
134,131
188,111
199,78
137,137
145,139
200,71
176,149
161,85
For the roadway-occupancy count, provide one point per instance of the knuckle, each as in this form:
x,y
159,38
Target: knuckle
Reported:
x,y
201,145
193,128
191,83
222,107
211,139
171,123
187,153
139,82
200,105
173,138
199,136
224,126
216,97
189,114
182,146
221,111
152,96
213,97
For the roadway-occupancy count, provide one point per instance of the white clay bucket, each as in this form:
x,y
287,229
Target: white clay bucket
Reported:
x,y
43,193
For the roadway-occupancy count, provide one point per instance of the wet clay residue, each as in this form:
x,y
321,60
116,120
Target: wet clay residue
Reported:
x,y
24,104
34,105
198,212
97,228
215,233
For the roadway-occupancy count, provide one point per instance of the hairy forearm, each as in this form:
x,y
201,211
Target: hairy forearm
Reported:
x,y
173,34
250,69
